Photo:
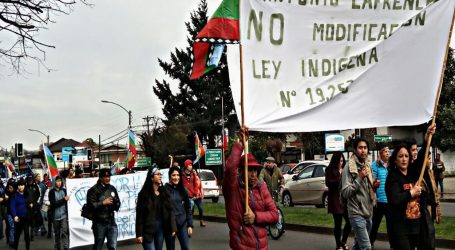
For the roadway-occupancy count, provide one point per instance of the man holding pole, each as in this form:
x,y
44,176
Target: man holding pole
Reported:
x,y
247,227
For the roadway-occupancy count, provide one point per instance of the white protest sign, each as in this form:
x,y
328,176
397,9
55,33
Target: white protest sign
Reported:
x,y
337,64
128,187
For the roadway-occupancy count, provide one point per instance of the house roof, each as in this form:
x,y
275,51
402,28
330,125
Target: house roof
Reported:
x,y
63,142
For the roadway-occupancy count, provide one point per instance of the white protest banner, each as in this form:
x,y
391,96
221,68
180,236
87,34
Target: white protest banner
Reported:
x,y
339,64
128,187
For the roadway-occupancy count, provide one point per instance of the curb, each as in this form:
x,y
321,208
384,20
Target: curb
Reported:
x,y
440,243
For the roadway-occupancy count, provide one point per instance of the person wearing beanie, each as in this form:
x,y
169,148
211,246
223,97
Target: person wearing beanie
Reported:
x,y
59,210
103,199
154,214
193,187
20,212
247,229
181,208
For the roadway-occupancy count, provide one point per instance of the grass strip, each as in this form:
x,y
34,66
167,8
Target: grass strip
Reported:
x,y
320,217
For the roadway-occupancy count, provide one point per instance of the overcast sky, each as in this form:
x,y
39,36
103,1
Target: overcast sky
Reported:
x,y
108,51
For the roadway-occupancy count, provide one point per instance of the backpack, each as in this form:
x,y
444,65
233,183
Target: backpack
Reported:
x,y
87,212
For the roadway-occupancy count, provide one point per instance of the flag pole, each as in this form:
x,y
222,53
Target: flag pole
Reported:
x,y
436,102
244,141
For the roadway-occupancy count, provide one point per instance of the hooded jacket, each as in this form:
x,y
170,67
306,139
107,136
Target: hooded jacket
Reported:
x,y
246,237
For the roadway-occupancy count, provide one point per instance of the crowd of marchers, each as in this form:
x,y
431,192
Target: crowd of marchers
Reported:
x,y
359,192
362,194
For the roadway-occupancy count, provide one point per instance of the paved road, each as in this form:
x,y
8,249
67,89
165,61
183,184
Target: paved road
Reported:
x,y
215,236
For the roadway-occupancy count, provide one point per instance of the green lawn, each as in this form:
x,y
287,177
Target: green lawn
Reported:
x,y
320,217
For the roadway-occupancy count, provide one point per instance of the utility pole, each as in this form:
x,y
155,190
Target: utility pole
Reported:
x,y
99,152
147,120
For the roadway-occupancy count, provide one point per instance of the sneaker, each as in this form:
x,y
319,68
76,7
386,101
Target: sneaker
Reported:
x,y
202,223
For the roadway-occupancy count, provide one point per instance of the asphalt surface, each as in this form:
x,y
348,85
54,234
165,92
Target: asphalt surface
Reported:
x,y
215,236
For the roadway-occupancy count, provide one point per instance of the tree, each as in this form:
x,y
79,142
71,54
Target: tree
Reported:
x,y
445,117
23,20
165,140
198,101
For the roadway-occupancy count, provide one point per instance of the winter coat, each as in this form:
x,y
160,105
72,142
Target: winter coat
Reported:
x,y
246,237
398,193
273,181
95,197
380,172
148,210
59,207
180,206
332,181
192,184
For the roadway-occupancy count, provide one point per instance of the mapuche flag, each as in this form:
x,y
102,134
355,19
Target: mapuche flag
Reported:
x,y
198,148
222,28
9,165
51,165
132,154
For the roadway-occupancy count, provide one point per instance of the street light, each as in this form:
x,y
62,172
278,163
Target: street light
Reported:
x,y
47,136
128,112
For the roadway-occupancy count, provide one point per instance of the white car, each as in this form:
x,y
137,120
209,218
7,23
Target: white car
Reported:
x,y
299,167
209,184
307,187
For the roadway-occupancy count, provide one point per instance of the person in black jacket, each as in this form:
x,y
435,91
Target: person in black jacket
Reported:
x,y
181,208
401,189
154,214
103,199
59,207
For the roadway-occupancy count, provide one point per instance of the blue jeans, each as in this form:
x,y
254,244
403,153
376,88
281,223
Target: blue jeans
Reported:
x,y
182,235
361,227
158,238
440,183
198,203
105,230
10,229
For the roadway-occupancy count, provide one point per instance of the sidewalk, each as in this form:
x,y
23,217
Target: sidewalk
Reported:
x,y
449,189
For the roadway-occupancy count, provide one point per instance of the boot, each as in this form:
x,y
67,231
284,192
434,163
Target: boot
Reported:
x,y
202,223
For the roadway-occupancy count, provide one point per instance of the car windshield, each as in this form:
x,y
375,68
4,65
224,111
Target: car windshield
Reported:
x,y
207,176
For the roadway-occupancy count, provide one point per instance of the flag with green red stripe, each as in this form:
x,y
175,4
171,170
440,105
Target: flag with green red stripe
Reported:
x,y
132,153
51,164
222,28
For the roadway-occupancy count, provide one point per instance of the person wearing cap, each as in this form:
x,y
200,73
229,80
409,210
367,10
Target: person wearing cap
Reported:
x,y
103,199
20,207
59,206
154,214
247,229
193,186
272,176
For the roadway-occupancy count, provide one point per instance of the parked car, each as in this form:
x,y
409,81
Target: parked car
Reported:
x,y
300,166
285,167
307,187
209,184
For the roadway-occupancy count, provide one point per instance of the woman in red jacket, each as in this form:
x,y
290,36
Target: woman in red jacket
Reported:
x,y
247,229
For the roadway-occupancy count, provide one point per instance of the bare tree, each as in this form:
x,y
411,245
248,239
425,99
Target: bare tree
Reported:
x,y
20,23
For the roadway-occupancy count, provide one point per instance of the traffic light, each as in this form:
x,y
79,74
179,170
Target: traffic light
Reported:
x,y
70,158
19,150
89,154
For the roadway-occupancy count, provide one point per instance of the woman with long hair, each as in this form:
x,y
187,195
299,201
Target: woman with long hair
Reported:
x,y
154,214
182,210
401,189
335,207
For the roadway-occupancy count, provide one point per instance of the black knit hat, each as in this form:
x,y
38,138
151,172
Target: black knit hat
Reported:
x,y
20,182
105,172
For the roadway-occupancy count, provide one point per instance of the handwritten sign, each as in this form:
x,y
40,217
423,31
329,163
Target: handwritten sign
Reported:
x,y
128,187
